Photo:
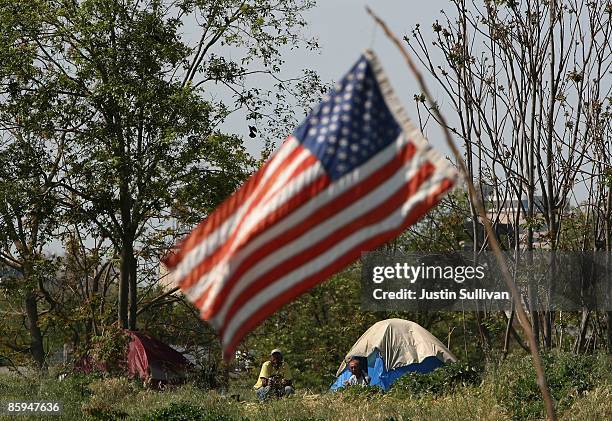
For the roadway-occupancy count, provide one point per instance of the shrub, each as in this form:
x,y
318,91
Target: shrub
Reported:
x,y
208,377
35,386
104,412
293,418
440,381
186,412
113,390
107,395
360,393
569,377
109,350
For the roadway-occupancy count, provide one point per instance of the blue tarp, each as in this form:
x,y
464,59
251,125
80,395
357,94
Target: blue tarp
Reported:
x,y
384,379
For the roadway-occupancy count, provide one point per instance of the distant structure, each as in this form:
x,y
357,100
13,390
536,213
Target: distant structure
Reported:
x,y
507,212
166,278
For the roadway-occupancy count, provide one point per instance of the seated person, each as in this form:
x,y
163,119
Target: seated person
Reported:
x,y
359,376
274,378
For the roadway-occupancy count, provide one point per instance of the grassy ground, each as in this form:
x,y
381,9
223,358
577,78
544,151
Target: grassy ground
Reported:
x,y
582,389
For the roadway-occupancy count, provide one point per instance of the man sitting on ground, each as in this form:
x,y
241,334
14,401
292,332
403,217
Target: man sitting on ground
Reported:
x,y
359,376
274,378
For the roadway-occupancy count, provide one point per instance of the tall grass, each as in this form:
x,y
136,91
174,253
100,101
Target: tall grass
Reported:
x,y
581,387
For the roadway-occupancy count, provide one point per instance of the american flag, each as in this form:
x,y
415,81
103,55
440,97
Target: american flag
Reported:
x,y
354,175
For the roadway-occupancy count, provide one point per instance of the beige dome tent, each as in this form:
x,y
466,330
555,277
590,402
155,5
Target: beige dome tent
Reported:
x,y
394,347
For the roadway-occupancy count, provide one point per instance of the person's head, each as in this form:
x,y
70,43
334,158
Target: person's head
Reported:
x,y
354,366
276,357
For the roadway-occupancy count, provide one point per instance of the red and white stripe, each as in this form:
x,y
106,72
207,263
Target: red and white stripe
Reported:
x,y
291,228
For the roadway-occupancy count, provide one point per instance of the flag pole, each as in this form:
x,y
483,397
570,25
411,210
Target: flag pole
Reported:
x,y
522,316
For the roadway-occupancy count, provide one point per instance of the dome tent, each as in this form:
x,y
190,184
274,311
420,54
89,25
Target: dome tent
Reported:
x,y
392,348
145,357
153,361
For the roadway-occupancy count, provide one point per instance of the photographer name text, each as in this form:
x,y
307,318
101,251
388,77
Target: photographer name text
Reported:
x,y
445,294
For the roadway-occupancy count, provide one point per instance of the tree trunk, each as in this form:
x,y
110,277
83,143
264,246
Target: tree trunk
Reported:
x,y
485,338
583,329
133,290
608,269
127,251
36,339
548,329
535,315
507,334
124,278
515,335
609,328
548,316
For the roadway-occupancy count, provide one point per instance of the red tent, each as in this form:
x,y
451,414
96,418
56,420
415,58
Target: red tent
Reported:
x,y
154,361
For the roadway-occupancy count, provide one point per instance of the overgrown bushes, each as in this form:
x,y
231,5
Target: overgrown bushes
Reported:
x,y
441,381
360,393
108,351
513,382
106,395
187,412
569,377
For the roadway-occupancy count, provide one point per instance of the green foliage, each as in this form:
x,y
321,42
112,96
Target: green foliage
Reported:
x,y
441,229
105,414
71,391
109,350
360,393
444,380
186,412
107,394
304,419
111,130
494,324
606,176
569,377
575,224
